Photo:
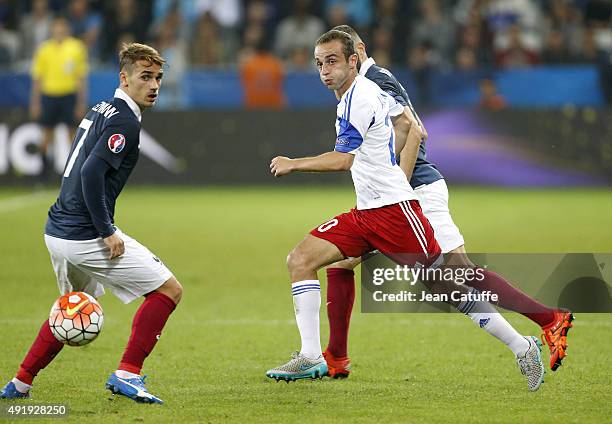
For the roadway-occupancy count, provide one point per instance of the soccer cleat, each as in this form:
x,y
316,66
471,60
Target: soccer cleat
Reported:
x,y
133,388
10,392
299,367
531,364
555,335
337,367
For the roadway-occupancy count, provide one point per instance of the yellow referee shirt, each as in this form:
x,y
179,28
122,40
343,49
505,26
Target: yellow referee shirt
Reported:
x,y
59,66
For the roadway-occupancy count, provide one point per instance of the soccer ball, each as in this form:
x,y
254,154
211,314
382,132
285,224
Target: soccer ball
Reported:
x,y
76,319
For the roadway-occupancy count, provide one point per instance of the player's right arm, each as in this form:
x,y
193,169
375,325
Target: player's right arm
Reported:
x,y
326,162
35,91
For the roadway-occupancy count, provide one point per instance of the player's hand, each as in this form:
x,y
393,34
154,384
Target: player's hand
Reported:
x,y
281,165
115,244
34,110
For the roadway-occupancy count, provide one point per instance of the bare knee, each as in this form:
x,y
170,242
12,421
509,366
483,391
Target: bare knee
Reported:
x,y
348,263
173,289
299,264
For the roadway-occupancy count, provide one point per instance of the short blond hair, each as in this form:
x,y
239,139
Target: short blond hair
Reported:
x,y
133,52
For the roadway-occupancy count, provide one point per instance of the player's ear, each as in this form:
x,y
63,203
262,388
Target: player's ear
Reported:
x,y
123,78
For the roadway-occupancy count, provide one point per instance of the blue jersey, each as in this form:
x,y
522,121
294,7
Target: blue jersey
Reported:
x,y
424,171
104,151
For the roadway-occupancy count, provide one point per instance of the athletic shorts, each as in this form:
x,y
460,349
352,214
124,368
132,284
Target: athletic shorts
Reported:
x,y
434,202
83,265
399,231
57,110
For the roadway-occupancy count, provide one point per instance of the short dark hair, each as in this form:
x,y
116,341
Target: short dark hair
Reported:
x,y
346,28
348,46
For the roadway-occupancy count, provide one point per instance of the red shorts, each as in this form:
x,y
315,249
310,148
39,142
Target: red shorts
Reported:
x,y
395,230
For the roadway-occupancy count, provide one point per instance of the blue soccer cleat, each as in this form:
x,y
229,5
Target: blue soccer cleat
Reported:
x,y
133,388
11,392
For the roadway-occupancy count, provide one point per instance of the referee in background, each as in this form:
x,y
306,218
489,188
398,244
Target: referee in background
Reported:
x,y
59,84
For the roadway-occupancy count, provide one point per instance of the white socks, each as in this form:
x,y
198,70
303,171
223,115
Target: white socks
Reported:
x,y
306,303
126,374
21,386
489,319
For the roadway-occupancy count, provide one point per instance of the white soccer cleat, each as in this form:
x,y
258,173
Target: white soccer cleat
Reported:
x,y
299,367
531,364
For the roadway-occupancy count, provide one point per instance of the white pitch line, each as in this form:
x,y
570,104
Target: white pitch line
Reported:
x,y
15,203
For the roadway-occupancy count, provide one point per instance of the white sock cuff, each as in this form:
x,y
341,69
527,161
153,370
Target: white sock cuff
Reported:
x,y
305,286
20,385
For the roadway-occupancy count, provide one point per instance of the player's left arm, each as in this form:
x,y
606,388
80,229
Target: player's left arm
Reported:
x,y
326,162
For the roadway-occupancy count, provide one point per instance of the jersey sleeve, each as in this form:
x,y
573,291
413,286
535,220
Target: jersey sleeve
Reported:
x,y
116,141
358,116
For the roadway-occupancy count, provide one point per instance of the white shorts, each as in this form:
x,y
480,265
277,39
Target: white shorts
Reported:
x,y
434,203
83,265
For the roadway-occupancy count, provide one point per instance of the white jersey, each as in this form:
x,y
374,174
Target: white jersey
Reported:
x,y
364,129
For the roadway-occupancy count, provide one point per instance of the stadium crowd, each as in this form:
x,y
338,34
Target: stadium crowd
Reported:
x,y
439,34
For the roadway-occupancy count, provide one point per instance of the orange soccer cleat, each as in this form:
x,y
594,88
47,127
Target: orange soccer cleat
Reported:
x,y
555,335
337,367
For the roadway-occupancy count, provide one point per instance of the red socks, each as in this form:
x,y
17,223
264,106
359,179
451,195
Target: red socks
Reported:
x,y
513,299
340,298
42,352
146,329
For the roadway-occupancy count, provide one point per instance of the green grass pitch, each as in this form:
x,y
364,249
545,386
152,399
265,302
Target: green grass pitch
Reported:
x,y
228,246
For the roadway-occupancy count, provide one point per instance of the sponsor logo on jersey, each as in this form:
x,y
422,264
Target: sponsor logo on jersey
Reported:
x,y
116,143
342,142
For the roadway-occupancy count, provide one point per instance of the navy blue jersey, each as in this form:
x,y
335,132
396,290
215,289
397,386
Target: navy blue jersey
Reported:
x,y
424,171
107,136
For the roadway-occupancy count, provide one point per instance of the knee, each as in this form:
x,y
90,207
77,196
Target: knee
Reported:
x,y
173,289
296,261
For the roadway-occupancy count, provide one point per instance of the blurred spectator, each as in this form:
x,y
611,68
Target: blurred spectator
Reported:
x,y
34,28
382,41
125,19
172,48
516,54
337,14
207,47
253,34
588,52
262,77
299,30
423,59
465,59
301,59
9,46
555,50
565,18
490,99
86,25
605,75
357,12
435,27
59,83
389,17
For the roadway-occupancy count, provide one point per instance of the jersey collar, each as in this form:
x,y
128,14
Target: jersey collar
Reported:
x,y
365,66
130,102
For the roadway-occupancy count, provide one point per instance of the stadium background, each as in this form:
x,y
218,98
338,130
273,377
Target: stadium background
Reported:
x,y
515,95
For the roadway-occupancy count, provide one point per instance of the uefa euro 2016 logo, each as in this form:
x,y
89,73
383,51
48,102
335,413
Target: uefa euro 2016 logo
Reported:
x,y
116,143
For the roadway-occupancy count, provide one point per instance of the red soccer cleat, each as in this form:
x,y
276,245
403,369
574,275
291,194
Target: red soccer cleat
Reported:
x,y
337,367
555,335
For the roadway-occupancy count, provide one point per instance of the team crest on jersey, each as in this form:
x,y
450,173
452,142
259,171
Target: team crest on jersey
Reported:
x,y
116,143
